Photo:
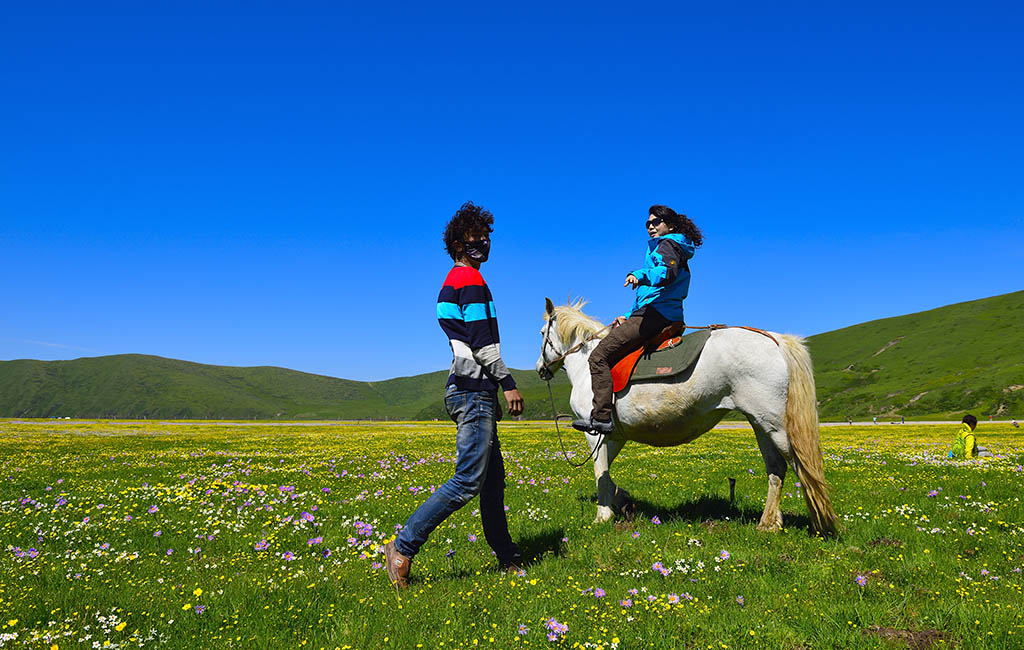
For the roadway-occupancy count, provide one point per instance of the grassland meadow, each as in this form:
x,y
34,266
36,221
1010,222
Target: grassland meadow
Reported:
x,y
185,534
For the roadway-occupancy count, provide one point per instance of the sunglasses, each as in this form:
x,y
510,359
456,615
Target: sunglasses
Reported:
x,y
654,222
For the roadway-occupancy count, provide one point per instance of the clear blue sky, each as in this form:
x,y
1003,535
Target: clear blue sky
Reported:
x,y
260,184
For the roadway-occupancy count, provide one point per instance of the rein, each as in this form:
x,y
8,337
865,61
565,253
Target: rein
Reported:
x,y
565,453
555,416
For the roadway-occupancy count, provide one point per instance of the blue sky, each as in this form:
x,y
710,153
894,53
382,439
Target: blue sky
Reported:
x,y
266,185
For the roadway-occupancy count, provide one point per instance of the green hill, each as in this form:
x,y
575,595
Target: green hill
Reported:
x,y
943,362
141,386
939,363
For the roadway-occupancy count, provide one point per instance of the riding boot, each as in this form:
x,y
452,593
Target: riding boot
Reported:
x,y
590,425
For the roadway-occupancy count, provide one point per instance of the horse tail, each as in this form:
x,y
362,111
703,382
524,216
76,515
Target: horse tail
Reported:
x,y
801,422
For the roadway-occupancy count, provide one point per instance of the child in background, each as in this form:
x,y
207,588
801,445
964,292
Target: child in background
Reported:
x,y
966,445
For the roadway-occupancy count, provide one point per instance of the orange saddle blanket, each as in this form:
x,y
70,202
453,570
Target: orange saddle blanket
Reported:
x,y
623,370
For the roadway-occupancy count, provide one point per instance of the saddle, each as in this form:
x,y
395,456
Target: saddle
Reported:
x,y
667,354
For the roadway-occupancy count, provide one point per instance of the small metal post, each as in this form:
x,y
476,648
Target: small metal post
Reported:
x,y
732,490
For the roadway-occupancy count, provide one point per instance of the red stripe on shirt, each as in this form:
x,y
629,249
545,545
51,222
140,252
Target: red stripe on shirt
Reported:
x,y
464,276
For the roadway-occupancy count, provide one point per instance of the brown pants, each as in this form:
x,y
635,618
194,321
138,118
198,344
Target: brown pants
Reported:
x,y
613,348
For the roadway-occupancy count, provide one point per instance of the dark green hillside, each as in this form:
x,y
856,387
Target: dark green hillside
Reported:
x,y
943,362
141,386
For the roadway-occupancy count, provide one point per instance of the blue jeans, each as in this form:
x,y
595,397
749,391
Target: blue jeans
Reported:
x,y
479,469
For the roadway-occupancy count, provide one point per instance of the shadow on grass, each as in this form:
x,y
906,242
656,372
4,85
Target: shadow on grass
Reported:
x,y
705,509
546,542
533,547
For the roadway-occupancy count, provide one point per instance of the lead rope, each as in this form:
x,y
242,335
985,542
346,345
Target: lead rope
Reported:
x,y
565,453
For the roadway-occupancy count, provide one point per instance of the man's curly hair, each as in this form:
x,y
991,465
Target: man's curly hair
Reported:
x,y
468,219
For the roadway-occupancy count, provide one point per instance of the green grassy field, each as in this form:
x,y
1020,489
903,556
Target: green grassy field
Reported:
x,y
125,535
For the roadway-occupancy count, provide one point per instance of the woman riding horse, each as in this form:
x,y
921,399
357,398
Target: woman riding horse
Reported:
x,y
661,285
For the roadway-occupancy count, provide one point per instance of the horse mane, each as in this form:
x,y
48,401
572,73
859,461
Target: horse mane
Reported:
x,y
571,322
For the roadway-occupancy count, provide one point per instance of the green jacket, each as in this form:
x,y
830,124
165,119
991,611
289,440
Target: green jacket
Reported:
x,y
964,446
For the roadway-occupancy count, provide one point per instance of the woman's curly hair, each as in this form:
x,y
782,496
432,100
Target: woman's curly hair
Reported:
x,y
679,223
468,219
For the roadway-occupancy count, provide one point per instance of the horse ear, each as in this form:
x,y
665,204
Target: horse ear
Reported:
x,y
549,306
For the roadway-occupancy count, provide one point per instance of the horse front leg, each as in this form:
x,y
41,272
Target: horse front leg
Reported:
x,y
609,495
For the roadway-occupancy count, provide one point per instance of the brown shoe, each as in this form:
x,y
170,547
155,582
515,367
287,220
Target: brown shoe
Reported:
x,y
397,565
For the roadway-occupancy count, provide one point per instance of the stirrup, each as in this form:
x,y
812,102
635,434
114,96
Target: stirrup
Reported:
x,y
590,425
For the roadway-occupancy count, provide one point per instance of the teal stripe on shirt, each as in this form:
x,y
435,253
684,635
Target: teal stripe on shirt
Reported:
x,y
449,310
478,311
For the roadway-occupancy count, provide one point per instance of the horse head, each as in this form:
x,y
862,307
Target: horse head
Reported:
x,y
563,327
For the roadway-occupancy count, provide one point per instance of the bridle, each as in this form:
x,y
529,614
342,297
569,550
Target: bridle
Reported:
x,y
547,373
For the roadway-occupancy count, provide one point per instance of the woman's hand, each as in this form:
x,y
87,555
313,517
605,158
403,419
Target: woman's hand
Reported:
x,y
631,281
619,320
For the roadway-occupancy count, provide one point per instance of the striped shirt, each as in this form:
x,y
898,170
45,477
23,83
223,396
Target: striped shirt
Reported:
x,y
465,311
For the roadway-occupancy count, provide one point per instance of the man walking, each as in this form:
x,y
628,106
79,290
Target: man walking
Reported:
x,y
466,313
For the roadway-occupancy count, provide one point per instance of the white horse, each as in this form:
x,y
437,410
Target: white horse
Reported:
x,y
771,384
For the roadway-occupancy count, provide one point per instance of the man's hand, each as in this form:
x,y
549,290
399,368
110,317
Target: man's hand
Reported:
x,y
619,320
514,399
631,282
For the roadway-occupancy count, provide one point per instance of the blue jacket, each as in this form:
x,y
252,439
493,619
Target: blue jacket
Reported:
x,y
665,277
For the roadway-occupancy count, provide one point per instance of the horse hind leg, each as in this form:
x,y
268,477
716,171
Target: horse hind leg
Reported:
x,y
775,467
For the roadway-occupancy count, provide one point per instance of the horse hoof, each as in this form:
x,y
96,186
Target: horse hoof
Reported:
x,y
769,528
604,514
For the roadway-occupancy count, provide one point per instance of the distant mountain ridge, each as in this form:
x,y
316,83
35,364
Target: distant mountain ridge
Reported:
x,y
965,357
943,362
143,386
